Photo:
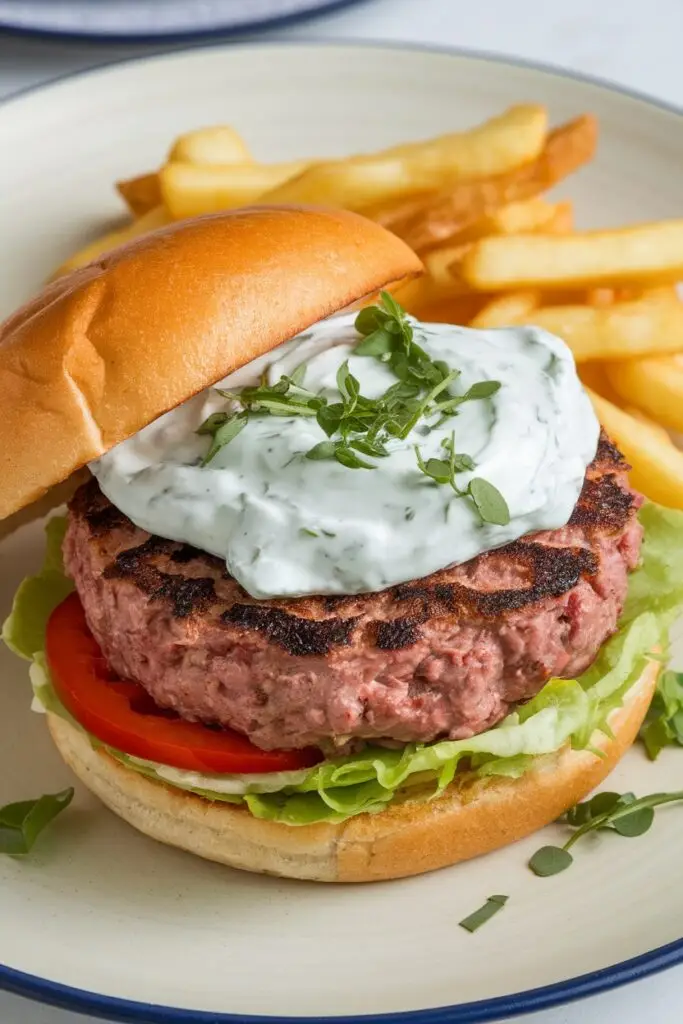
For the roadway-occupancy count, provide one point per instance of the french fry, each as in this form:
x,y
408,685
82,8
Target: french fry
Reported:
x,y
438,261
655,386
513,308
140,194
219,144
639,415
152,220
421,295
641,254
594,377
188,190
533,214
652,325
458,309
562,220
657,465
414,295
600,297
495,147
529,215
426,222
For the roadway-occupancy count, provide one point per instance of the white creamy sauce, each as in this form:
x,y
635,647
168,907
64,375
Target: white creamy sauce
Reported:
x,y
290,526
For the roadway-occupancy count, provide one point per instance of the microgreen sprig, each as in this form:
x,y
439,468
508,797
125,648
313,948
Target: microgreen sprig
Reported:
x,y
624,813
357,426
488,500
285,398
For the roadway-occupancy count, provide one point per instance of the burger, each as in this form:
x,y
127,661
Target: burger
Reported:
x,y
337,595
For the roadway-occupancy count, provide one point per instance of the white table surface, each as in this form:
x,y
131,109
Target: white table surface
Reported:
x,y
632,42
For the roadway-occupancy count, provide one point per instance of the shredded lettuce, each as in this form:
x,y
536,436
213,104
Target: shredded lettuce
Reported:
x,y
565,711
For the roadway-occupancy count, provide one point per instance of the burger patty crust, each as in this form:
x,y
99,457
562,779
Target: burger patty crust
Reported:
x,y
443,656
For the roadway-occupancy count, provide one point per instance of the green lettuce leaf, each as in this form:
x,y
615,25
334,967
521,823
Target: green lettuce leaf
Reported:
x,y
565,711
38,596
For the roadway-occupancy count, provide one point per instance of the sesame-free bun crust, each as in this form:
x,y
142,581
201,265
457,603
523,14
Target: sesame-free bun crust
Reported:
x,y
103,351
474,816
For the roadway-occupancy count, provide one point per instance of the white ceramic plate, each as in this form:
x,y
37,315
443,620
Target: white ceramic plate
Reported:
x,y
101,919
153,19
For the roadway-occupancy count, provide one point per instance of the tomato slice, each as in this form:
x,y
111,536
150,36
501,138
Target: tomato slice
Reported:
x,y
122,714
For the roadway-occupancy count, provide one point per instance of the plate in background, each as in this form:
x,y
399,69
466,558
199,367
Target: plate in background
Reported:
x,y
146,20
106,921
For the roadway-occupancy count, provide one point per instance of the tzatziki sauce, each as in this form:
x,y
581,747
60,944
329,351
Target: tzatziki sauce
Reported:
x,y
289,526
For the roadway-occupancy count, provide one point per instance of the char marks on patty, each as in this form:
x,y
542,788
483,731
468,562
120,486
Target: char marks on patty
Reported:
x,y
542,568
297,635
447,655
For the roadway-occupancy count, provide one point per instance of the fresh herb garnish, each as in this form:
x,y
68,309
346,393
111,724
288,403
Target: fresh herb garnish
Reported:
x,y
550,860
488,500
358,426
286,398
624,813
224,428
663,725
22,823
491,505
483,914
368,425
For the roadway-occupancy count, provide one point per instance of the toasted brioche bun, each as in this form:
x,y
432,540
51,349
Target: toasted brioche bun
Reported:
x,y
103,351
474,815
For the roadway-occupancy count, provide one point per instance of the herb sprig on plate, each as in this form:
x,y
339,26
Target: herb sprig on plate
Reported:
x,y
359,428
21,823
623,813
479,917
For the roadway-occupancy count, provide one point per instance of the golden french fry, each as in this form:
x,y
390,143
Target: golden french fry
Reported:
x,y
600,297
513,308
152,220
534,214
438,263
140,194
639,415
219,144
413,295
657,465
188,190
653,385
492,148
561,221
594,377
529,215
426,221
458,309
642,253
652,325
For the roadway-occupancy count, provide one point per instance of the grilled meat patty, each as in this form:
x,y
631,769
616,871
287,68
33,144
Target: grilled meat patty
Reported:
x,y
443,656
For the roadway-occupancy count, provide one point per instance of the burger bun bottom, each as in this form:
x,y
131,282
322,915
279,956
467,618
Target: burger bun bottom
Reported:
x,y
472,817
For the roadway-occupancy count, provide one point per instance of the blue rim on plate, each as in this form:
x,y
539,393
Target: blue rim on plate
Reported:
x,y
128,1012
226,29
483,1010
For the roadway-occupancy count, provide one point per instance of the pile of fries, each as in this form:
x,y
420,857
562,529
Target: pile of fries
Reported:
x,y
496,250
